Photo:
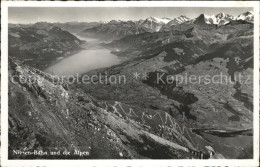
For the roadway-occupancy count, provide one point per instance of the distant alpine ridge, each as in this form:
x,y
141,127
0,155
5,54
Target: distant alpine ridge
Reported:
x,y
223,19
117,29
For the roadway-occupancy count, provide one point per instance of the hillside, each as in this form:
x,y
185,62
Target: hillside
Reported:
x,y
40,44
47,115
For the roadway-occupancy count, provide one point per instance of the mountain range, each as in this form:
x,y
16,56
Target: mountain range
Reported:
x,y
117,29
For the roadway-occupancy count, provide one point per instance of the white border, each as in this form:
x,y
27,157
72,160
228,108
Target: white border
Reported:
x,y
99,163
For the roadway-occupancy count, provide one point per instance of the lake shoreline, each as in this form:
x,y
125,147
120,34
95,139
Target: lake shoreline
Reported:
x,y
91,57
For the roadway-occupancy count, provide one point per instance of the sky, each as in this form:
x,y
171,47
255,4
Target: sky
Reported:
x,y
25,15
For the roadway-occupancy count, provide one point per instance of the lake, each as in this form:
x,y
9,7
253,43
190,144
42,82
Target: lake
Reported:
x,y
86,60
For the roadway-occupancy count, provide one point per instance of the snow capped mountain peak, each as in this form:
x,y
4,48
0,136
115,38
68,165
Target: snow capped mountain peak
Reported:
x,y
205,19
151,19
178,20
163,20
219,19
154,23
247,16
221,15
224,16
182,19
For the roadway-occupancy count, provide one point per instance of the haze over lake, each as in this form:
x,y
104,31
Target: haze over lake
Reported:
x,y
86,60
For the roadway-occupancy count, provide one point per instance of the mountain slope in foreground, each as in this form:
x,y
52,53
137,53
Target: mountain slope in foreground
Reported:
x,y
52,116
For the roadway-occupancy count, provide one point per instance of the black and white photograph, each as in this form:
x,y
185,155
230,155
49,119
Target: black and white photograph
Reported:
x,y
130,82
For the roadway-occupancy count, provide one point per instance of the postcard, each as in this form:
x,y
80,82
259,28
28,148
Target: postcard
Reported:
x,y
158,83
